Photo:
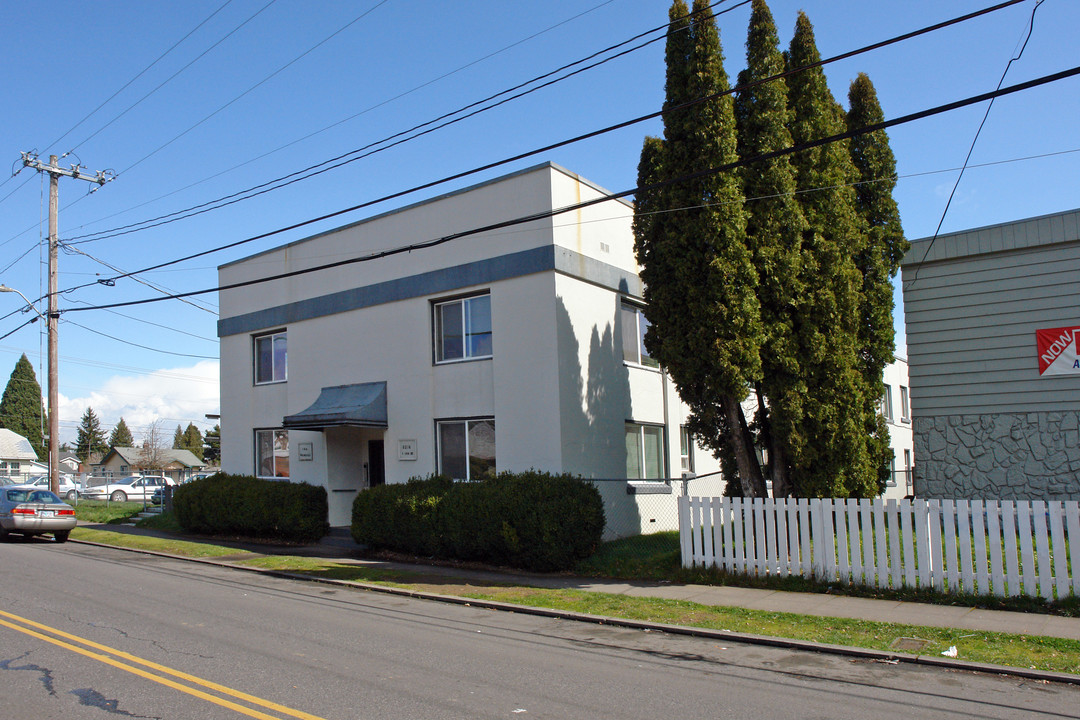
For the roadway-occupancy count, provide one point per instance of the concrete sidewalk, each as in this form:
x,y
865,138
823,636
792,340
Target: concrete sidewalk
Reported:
x,y
340,547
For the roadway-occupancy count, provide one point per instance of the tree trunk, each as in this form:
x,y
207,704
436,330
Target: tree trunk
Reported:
x,y
753,482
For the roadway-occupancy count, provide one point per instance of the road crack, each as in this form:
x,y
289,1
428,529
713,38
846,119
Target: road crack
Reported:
x,y
46,674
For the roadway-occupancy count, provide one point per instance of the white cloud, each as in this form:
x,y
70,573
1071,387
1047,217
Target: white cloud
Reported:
x,y
175,396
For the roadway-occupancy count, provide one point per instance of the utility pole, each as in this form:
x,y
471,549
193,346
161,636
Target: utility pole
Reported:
x,y
30,160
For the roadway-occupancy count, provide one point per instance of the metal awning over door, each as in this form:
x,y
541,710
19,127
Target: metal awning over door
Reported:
x,y
358,405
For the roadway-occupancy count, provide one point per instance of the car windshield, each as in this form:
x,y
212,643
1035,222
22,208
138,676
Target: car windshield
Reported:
x,y
127,481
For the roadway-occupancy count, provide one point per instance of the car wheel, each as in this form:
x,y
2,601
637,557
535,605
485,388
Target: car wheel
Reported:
x,y
70,495
3,533
118,496
61,536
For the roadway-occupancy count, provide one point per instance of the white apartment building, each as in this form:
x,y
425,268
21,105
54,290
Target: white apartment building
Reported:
x,y
513,348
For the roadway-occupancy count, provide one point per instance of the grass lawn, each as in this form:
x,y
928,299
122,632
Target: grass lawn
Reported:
x,y
1043,653
101,511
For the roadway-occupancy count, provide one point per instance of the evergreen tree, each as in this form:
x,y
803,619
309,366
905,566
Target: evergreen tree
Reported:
x,y
178,439
21,408
212,445
193,440
696,267
835,460
90,438
774,229
121,435
878,259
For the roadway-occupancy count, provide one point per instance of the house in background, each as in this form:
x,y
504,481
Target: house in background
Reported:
x,y
179,465
17,456
512,348
992,318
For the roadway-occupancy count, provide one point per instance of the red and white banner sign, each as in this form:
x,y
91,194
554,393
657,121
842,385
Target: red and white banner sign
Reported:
x,y
1057,351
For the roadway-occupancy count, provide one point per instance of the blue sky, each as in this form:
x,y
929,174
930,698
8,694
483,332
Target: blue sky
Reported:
x,y
257,89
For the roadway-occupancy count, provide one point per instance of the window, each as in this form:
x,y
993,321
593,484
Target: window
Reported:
x,y
644,452
686,450
886,403
634,325
272,453
271,363
892,471
905,410
463,329
466,448
907,470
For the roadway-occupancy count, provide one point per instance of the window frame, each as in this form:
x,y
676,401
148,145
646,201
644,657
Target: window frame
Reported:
x,y
437,342
272,337
661,459
686,449
466,422
886,404
905,404
258,455
641,324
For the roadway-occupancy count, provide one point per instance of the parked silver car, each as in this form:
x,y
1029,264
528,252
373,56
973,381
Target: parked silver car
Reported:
x,y
34,512
135,487
68,488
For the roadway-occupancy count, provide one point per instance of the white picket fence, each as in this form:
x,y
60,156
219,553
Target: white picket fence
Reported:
x,y
975,546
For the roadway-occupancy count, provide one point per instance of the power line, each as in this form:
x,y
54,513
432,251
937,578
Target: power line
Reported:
x,y
336,162
128,84
563,143
144,347
625,193
971,148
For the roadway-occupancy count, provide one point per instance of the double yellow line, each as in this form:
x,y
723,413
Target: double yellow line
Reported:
x,y
162,674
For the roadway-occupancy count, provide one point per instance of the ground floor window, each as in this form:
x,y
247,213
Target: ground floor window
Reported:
x,y
644,452
466,448
272,453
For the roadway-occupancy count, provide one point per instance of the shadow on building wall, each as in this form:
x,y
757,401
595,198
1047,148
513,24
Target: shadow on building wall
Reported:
x,y
595,404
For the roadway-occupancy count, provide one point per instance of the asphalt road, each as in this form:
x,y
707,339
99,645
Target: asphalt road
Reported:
x,y
88,632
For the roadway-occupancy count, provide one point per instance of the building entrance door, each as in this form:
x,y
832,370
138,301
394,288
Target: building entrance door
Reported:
x,y
376,466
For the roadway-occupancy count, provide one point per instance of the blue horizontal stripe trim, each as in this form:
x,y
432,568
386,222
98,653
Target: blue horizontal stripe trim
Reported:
x,y
480,272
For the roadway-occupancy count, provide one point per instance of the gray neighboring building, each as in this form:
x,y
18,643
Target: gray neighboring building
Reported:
x,y
989,422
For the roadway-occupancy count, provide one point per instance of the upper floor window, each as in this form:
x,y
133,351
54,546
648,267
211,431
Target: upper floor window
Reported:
x,y
686,450
466,448
463,329
271,358
634,325
644,452
905,408
272,453
886,403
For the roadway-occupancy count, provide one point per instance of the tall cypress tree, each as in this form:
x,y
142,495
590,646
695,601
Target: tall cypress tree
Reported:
x,y
90,438
878,259
21,408
826,317
696,266
121,435
774,230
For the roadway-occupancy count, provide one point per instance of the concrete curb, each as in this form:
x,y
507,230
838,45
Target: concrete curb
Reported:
x,y
747,638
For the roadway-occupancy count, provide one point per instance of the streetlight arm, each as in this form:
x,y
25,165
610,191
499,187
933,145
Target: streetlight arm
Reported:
x,y
5,288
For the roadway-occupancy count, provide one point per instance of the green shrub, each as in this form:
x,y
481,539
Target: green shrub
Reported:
x,y
224,504
530,520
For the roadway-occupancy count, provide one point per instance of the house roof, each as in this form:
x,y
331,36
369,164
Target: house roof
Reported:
x,y
14,446
358,405
132,456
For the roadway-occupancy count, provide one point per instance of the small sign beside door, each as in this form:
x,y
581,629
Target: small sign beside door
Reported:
x,y
304,451
406,450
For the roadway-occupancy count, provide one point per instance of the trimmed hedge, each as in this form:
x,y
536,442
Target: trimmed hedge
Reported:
x,y
225,504
531,520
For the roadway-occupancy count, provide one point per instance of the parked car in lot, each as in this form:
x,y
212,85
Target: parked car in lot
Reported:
x,y
68,488
135,487
34,512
